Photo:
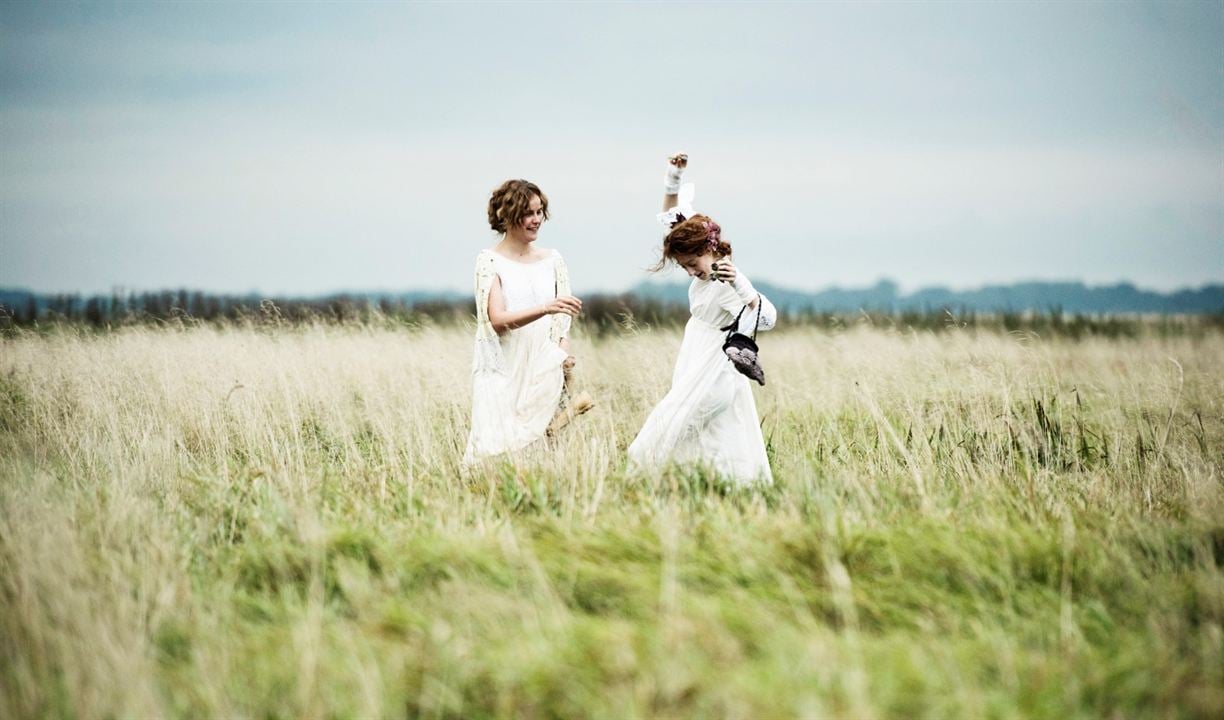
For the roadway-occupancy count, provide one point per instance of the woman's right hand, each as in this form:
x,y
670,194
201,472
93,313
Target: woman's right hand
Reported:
x,y
671,179
567,304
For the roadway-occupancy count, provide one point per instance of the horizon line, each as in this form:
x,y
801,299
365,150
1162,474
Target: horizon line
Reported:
x,y
900,290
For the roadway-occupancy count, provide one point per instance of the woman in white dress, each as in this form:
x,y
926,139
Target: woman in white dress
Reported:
x,y
708,416
523,314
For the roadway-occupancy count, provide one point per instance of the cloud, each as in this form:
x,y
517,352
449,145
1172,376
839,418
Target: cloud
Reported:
x,y
315,150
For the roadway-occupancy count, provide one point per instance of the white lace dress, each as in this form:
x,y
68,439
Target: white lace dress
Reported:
x,y
517,377
708,416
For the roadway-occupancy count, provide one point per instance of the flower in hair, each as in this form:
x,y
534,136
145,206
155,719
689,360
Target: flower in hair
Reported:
x,y
713,233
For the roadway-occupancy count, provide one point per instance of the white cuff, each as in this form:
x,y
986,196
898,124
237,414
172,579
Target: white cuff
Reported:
x,y
671,180
743,288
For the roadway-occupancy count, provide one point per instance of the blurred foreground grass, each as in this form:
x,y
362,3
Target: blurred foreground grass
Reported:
x,y
228,520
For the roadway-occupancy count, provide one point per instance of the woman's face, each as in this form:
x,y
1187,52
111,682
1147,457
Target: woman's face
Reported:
x,y
697,266
529,226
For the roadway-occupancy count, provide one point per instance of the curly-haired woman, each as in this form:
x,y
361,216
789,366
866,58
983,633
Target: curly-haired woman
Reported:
x,y
708,416
523,314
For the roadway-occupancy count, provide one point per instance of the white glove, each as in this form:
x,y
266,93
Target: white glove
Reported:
x,y
671,180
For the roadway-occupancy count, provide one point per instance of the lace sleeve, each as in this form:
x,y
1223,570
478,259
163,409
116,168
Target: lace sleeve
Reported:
x,y
561,322
730,301
483,285
769,317
488,354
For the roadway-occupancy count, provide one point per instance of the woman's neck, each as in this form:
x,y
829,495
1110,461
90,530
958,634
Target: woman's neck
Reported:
x,y
515,246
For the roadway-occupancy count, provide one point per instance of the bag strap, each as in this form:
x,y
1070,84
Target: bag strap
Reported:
x,y
757,325
730,329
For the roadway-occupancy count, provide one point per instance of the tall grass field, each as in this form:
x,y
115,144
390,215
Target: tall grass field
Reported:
x,y
255,520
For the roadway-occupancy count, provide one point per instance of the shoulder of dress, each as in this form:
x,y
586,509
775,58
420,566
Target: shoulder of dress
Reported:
x,y
486,264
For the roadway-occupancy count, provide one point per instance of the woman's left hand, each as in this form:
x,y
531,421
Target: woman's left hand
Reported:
x,y
724,271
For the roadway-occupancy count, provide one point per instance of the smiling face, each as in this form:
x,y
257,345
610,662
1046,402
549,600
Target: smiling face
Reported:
x,y
529,226
518,208
697,266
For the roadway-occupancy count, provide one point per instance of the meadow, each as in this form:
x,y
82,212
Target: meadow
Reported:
x,y
264,519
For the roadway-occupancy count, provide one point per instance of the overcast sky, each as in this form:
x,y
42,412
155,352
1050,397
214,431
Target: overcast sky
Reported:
x,y
310,148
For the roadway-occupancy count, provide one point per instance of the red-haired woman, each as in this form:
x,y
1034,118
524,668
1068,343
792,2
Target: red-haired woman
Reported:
x,y
523,314
708,416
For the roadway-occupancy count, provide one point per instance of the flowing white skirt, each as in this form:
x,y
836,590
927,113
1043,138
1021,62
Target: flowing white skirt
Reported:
x,y
707,417
512,409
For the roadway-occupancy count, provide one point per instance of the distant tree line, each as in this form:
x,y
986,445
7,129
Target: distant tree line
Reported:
x,y
605,314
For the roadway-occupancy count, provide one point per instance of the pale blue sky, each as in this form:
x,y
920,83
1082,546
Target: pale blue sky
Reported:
x,y
310,148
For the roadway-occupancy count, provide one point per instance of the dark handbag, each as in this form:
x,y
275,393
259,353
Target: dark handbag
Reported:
x,y
742,350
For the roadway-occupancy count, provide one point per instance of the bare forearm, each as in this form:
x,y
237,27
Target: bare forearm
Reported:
x,y
503,320
670,201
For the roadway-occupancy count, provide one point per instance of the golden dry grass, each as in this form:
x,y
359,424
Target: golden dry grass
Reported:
x,y
273,521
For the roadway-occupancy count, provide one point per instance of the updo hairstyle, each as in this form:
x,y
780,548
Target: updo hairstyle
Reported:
x,y
511,202
692,237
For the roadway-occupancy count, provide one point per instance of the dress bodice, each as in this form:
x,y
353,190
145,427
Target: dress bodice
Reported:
x,y
713,302
717,304
526,285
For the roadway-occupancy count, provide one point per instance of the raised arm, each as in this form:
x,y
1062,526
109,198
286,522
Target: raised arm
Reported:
x,y
671,181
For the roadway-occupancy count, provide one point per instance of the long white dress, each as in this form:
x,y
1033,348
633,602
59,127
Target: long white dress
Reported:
x,y
517,377
708,416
